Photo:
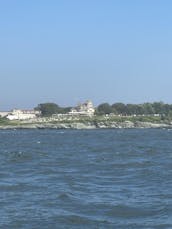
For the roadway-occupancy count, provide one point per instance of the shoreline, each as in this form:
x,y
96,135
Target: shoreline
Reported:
x,y
88,125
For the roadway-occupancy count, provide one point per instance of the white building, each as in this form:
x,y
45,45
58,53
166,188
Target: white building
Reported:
x,y
86,108
17,114
4,113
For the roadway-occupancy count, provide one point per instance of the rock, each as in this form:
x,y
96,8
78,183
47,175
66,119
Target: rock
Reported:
x,y
88,125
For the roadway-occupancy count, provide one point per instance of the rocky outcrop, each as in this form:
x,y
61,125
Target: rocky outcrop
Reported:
x,y
152,125
88,125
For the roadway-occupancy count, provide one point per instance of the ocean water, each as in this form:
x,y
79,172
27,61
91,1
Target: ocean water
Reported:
x,y
118,178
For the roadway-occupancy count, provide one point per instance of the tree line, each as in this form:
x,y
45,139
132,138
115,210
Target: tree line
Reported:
x,y
135,109
48,109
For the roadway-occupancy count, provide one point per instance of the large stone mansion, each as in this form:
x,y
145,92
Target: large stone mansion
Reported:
x,y
86,108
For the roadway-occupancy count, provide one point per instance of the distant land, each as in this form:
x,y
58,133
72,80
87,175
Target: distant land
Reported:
x,y
86,116
118,108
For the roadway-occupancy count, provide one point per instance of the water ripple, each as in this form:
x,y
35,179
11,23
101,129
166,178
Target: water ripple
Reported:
x,y
85,179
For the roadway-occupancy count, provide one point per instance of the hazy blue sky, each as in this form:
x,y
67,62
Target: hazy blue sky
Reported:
x,y
68,51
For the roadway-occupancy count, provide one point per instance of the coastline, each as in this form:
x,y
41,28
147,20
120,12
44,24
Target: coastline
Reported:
x,y
87,125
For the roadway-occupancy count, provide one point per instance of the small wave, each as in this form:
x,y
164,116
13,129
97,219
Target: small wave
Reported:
x,y
75,220
64,196
13,187
124,211
18,156
60,132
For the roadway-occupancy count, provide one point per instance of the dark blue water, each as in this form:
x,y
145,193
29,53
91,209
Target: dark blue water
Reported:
x,y
85,179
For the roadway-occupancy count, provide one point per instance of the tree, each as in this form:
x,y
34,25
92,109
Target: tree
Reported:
x,y
104,108
148,108
119,108
48,109
158,107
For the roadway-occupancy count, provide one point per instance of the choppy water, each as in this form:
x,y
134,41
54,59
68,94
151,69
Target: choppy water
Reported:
x,y
85,179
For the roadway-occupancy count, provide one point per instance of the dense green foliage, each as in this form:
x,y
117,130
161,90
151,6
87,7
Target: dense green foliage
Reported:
x,y
160,108
135,109
104,108
48,109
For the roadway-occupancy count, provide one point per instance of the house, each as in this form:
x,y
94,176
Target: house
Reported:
x,y
86,108
17,114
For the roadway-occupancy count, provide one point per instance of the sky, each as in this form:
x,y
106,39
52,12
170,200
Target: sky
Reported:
x,y
66,52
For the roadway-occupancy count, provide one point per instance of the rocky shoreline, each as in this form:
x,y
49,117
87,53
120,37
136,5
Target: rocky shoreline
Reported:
x,y
88,125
